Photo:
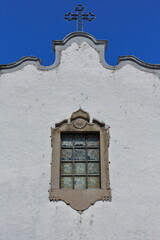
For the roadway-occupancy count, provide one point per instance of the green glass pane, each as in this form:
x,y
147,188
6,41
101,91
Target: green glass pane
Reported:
x,y
93,182
93,168
93,140
66,182
80,168
79,182
66,154
79,141
93,154
67,141
66,168
80,154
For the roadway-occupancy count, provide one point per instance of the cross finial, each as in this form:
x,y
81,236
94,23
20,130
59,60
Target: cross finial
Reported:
x,y
80,17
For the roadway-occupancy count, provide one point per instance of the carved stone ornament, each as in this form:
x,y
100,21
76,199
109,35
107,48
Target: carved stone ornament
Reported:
x,y
79,123
80,199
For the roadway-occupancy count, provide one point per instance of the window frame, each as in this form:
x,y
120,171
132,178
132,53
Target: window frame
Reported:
x,y
80,199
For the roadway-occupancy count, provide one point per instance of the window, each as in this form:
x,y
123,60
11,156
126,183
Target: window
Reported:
x,y
80,167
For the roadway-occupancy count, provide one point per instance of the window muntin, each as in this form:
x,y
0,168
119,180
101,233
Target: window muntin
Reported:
x,y
80,161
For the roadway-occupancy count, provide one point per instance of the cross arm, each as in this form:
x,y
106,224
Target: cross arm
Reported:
x,y
71,16
89,16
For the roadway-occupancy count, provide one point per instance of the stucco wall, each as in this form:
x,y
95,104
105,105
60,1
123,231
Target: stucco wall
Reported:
x,y
32,101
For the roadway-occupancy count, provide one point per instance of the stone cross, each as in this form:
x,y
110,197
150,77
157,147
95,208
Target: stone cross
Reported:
x,y
80,17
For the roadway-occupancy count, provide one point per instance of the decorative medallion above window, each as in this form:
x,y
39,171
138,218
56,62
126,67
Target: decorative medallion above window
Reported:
x,y
80,167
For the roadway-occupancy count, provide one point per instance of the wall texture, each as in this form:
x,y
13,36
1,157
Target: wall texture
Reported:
x,y
33,99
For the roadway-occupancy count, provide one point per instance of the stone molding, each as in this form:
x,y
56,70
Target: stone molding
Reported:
x,y
79,37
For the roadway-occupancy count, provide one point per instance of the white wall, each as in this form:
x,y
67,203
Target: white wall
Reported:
x,y
32,101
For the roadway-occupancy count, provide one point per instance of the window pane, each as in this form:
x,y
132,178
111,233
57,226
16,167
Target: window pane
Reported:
x,y
93,168
79,140
93,182
93,154
66,168
66,182
66,154
67,141
80,154
80,168
79,182
93,141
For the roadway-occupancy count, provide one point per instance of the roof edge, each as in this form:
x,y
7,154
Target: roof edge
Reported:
x,y
80,34
19,62
79,37
138,61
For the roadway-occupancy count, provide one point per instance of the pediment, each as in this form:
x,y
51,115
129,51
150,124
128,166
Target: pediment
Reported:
x,y
80,38
80,113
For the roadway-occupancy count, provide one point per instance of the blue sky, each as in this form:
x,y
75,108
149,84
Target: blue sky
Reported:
x,y
132,27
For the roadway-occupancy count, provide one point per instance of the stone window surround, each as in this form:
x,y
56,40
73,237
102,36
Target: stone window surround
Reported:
x,y
80,199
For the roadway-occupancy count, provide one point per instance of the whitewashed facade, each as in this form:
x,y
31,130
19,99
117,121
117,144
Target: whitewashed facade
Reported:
x,y
33,98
